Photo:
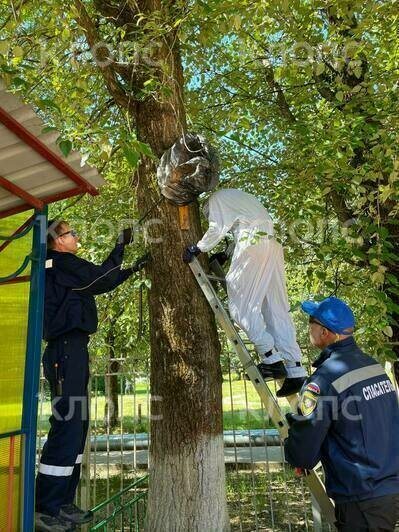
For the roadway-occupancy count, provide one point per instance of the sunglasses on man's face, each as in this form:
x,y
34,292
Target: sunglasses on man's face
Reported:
x,y
313,320
71,232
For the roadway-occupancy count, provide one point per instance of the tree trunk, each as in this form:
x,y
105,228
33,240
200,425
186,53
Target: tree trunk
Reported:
x,y
187,479
111,407
187,475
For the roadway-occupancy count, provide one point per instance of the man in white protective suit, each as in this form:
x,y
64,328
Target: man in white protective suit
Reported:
x,y
256,285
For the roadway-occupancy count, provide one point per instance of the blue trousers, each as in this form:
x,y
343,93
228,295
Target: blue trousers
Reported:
x,y
66,367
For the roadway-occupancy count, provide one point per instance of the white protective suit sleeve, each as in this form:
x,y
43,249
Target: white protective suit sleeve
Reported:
x,y
221,219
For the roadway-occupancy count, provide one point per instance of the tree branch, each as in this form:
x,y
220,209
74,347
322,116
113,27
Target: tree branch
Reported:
x,y
280,97
102,57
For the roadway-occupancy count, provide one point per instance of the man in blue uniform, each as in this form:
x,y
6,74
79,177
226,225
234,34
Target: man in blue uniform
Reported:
x,y
70,316
349,420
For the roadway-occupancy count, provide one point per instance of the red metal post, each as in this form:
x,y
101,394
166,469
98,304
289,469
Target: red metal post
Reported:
x,y
20,279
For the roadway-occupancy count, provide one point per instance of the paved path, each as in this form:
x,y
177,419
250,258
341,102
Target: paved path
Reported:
x,y
241,455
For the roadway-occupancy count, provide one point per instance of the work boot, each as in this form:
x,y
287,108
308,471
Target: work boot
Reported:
x,y
290,386
272,371
72,513
49,523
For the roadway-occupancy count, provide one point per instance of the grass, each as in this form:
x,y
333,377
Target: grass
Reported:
x,y
268,501
259,500
242,409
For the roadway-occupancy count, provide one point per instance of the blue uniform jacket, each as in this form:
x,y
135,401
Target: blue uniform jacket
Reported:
x,y
71,284
349,422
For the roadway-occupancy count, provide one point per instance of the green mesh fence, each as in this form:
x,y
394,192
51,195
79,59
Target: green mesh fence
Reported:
x,y
125,511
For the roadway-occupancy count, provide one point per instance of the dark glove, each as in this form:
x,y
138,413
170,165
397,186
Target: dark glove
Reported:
x,y
221,257
290,417
126,236
191,252
140,263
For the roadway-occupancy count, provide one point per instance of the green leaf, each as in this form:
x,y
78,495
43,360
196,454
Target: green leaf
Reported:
x,y
65,147
18,51
4,47
145,149
388,331
320,68
357,71
65,34
48,102
339,96
48,129
237,22
377,278
132,156
19,82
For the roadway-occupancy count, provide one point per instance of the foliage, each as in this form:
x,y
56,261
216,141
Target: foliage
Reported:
x,y
301,99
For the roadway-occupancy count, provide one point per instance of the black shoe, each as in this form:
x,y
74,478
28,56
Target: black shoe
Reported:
x,y
291,386
272,371
73,514
48,523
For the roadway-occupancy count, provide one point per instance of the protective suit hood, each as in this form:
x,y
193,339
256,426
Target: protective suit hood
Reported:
x,y
236,211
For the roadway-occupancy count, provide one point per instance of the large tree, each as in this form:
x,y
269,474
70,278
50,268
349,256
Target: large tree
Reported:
x,y
187,489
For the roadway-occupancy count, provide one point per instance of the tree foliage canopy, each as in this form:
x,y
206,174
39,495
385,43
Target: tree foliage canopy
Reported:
x,y
300,97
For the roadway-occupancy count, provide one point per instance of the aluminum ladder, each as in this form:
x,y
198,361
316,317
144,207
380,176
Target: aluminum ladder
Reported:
x,y
311,477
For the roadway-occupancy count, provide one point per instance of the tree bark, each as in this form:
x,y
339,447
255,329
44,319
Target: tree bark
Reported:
x,y
111,407
187,475
187,478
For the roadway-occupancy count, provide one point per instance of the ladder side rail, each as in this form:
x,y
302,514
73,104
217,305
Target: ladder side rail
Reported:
x,y
312,479
248,364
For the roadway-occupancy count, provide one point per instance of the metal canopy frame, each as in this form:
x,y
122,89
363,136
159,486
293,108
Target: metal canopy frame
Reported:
x,y
80,184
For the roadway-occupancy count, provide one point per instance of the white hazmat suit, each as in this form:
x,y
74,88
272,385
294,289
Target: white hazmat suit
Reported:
x,y
256,285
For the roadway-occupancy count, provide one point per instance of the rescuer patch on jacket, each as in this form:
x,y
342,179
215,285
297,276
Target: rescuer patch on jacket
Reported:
x,y
309,398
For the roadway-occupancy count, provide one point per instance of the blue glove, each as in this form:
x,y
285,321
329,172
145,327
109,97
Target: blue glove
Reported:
x,y
190,252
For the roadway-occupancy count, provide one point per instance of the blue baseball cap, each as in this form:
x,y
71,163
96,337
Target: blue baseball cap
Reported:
x,y
333,313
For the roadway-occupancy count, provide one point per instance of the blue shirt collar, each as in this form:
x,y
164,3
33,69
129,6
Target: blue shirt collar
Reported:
x,y
341,345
